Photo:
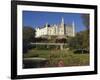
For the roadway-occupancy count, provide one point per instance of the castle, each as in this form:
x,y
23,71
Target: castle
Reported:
x,y
59,30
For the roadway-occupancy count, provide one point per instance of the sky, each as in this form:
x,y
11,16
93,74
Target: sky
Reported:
x,y
39,19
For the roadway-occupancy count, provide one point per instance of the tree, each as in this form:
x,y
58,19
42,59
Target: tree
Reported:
x,y
86,23
80,41
28,36
85,18
85,39
75,42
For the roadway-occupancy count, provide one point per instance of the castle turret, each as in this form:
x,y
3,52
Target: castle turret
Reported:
x,y
46,24
62,22
46,28
61,28
73,25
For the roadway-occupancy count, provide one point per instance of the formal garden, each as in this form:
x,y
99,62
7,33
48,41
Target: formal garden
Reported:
x,y
54,56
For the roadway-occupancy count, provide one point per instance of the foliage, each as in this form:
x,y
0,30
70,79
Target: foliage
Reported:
x,y
54,56
41,39
28,34
63,40
85,18
81,40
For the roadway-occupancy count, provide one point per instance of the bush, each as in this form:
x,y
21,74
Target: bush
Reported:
x,y
81,51
41,47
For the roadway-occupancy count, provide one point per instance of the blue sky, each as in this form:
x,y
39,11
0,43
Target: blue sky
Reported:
x,y
38,19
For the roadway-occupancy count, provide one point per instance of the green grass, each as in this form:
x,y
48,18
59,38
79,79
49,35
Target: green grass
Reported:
x,y
54,56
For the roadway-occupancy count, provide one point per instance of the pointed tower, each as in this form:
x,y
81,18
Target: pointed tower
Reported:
x,y
46,28
73,27
62,30
62,22
46,24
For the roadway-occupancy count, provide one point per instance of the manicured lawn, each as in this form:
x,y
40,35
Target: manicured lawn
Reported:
x,y
54,56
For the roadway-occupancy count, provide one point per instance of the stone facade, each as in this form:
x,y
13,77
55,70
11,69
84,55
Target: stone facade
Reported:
x,y
56,30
